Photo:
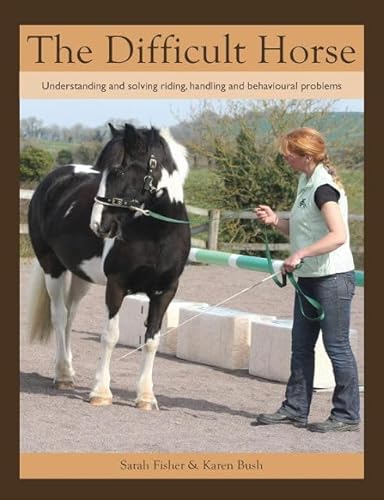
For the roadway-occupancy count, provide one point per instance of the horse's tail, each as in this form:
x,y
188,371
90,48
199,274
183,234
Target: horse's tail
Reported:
x,y
39,308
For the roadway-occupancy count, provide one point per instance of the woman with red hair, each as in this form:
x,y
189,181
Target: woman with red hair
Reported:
x,y
319,238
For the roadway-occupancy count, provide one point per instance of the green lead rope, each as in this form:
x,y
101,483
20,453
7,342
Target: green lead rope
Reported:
x,y
300,294
157,216
314,303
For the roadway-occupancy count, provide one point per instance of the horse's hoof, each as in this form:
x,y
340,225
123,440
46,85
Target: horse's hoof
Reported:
x,y
147,405
62,385
97,401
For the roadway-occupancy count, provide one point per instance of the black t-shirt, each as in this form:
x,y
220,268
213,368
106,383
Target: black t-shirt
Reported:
x,y
326,193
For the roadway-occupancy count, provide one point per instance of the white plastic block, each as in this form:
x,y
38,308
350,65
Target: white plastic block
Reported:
x,y
356,338
270,350
170,327
324,378
220,337
270,354
133,315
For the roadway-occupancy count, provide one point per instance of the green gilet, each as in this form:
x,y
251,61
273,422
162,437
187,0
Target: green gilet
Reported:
x,y
307,225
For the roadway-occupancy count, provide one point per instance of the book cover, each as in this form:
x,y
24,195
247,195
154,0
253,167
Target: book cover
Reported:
x,y
206,83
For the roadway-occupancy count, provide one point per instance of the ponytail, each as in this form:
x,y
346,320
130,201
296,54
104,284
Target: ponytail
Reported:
x,y
331,169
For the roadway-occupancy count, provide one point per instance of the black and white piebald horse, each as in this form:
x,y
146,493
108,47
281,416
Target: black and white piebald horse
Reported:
x,y
92,223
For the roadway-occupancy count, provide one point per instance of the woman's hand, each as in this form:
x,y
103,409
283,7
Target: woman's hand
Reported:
x,y
266,215
291,263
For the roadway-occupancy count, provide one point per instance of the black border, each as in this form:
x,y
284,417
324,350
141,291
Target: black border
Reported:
x,y
196,12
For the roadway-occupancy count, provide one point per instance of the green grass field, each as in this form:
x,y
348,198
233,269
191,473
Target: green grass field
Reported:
x,y
53,147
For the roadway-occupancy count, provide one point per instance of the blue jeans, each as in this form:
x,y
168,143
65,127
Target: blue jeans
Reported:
x,y
335,294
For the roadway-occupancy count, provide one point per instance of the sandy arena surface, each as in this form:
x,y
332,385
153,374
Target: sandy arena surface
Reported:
x,y
202,408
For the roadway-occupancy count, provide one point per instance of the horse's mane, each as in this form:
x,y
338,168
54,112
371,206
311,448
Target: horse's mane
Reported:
x,y
113,152
145,140
178,153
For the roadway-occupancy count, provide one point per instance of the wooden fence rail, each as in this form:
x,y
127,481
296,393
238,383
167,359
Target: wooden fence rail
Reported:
x,y
211,227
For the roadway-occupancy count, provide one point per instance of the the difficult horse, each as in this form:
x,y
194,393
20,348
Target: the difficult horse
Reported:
x,y
94,223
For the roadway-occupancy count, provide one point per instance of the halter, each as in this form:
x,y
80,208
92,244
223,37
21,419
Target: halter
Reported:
x,y
148,179
132,203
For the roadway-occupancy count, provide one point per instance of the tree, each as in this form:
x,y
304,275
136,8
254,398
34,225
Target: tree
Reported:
x,y
64,157
242,146
31,128
34,163
86,153
252,173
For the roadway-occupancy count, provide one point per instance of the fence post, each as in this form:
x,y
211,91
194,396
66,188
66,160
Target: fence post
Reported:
x,y
213,228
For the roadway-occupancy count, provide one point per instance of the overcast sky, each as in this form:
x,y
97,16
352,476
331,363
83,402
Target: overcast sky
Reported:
x,y
156,112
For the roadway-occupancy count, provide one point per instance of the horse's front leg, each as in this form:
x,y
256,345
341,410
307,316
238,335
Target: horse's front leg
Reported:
x,y
101,393
158,305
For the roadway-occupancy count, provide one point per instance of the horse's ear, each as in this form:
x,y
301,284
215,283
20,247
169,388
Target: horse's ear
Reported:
x,y
112,129
130,136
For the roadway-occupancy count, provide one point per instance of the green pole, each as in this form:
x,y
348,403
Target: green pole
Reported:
x,y
244,261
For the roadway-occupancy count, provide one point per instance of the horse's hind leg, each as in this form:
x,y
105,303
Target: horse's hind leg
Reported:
x,y
57,288
77,290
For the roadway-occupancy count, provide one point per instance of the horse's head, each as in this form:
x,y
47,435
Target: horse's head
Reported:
x,y
141,168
